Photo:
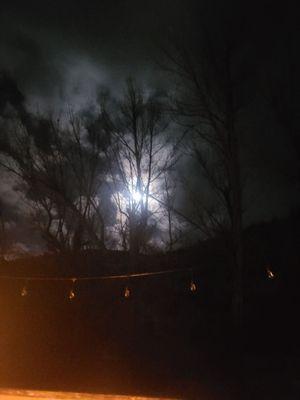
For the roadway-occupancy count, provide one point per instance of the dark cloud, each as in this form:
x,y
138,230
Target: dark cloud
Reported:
x,y
41,43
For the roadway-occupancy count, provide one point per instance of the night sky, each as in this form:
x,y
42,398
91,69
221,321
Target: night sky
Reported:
x,y
62,54
150,198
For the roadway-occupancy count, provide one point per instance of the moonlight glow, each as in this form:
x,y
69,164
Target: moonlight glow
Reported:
x,y
137,196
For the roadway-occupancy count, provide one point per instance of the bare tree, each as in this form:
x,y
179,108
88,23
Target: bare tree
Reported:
x,y
173,221
61,173
210,96
140,152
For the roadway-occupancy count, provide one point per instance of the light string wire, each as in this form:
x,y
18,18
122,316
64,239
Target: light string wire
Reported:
x,y
96,278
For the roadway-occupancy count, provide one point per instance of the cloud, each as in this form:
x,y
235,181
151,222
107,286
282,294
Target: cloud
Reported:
x,y
60,55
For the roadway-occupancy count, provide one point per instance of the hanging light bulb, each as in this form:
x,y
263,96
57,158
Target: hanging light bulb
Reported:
x,y
127,292
72,293
193,287
24,291
270,273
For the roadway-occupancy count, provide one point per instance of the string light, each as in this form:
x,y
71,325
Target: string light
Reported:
x,y
193,287
24,291
127,292
72,293
270,273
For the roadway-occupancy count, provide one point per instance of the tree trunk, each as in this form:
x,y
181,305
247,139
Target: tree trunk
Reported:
x,y
237,233
234,177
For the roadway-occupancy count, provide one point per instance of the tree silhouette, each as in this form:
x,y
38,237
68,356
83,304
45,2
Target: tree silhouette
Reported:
x,y
212,90
139,154
60,174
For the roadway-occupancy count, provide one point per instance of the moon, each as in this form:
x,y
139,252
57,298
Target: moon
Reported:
x,y
136,196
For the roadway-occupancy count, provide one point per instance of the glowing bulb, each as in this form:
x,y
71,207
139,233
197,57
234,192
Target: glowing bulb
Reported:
x,y
127,292
24,291
72,293
270,274
193,286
